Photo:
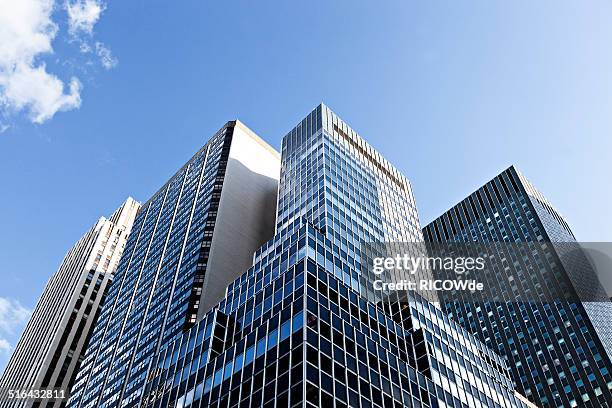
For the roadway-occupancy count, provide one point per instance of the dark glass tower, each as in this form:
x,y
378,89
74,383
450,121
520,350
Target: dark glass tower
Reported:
x,y
189,241
556,349
299,328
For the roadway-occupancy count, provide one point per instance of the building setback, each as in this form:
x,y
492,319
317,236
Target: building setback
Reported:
x,y
190,240
557,350
301,328
53,342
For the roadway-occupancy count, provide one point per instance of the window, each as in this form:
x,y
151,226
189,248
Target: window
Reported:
x,y
298,321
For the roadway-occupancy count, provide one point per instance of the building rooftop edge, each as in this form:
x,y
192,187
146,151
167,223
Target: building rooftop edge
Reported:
x,y
256,137
511,167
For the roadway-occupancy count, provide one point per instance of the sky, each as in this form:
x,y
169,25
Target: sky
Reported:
x,y
100,100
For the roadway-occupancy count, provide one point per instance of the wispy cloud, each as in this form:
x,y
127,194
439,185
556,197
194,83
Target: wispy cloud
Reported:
x,y
107,59
83,15
5,346
13,317
27,33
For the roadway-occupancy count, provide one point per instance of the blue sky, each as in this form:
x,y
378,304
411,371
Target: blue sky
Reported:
x,y
451,93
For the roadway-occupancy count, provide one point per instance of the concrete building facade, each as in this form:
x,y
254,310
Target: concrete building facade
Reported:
x,y
53,342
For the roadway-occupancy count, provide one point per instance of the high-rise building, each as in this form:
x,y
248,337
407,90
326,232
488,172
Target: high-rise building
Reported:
x,y
189,241
548,317
302,328
53,342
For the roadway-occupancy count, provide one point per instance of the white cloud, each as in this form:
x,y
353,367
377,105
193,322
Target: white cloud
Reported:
x,y
27,31
12,315
84,47
26,34
106,57
41,92
5,346
83,15
4,128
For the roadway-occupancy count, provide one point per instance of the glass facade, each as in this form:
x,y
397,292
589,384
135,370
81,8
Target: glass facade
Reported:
x,y
300,327
156,292
553,349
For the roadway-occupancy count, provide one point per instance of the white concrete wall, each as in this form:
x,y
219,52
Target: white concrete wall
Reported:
x,y
247,212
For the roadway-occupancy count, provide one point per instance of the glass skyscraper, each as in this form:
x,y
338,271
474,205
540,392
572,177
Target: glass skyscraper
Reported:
x,y
189,241
558,350
301,328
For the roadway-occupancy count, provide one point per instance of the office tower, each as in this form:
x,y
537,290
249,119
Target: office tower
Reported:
x,y
190,240
53,342
298,328
554,345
